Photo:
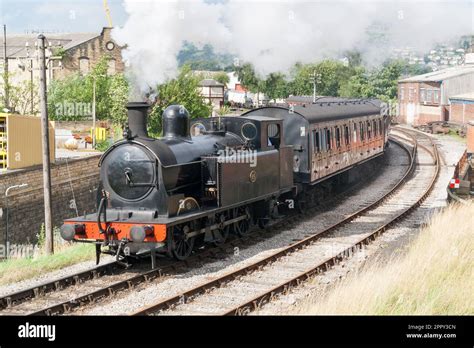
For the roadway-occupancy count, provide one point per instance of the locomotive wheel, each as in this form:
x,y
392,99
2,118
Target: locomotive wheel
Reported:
x,y
182,246
221,234
242,227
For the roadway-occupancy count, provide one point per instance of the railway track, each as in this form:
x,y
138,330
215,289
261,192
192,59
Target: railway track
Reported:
x,y
248,288
114,278
89,287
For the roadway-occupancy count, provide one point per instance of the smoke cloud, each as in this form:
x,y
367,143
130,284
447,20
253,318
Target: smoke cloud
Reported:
x,y
275,34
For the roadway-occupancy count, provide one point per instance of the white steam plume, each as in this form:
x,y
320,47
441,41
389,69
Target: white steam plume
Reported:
x,y
274,34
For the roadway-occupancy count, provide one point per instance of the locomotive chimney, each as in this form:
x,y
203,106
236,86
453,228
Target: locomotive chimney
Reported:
x,y
137,114
176,122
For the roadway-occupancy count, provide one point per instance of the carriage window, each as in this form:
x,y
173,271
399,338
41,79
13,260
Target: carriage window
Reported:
x,y
374,125
338,137
323,140
380,127
355,132
328,139
316,142
346,135
369,130
361,125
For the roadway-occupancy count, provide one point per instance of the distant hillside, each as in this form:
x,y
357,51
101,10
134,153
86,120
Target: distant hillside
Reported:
x,y
204,59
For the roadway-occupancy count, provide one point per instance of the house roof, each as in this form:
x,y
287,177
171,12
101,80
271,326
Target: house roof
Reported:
x,y
210,83
16,44
441,75
464,96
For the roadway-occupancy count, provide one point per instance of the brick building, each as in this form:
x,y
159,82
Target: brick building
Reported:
x,y
68,54
461,108
426,98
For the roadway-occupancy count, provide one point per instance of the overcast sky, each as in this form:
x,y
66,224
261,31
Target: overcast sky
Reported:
x,y
21,16
59,16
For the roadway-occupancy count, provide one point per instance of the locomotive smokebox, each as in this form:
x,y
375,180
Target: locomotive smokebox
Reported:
x,y
137,114
176,122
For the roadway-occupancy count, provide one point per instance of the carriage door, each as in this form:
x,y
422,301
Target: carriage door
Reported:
x,y
316,160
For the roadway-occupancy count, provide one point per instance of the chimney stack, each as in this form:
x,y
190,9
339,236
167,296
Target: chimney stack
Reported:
x,y
137,115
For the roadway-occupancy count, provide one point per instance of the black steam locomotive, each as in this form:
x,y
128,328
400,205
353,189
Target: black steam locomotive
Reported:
x,y
203,180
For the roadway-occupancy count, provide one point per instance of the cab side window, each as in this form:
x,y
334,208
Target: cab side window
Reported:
x,y
273,133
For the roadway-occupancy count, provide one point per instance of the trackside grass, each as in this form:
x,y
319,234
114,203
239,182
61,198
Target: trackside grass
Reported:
x,y
14,270
435,275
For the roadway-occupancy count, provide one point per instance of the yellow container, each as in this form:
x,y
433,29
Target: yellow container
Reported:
x,y
20,141
100,133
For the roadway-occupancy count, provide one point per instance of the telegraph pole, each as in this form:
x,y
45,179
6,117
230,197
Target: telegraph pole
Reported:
x,y
5,68
93,111
316,78
45,146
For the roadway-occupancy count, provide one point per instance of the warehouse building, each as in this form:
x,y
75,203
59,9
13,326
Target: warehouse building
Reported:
x,y
461,108
426,98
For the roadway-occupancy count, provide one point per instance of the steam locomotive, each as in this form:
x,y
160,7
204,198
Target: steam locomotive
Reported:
x,y
205,179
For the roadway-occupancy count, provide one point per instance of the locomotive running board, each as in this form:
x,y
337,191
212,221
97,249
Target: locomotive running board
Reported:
x,y
216,226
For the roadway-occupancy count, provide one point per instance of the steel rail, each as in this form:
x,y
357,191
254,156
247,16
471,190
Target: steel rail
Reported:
x,y
22,296
67,306
285,287
215,283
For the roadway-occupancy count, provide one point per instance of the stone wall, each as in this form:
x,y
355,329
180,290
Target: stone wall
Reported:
x,y
92,50
74,184
80,126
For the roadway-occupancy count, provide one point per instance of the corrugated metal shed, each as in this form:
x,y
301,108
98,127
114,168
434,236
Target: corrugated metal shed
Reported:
x,y
441,75
465,96
22,141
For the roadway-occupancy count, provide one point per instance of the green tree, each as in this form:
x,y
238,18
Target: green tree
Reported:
x,y
71,98
276,86
20,96
330,73
250,80
118,98
182,90
357,85
384,81
222,77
